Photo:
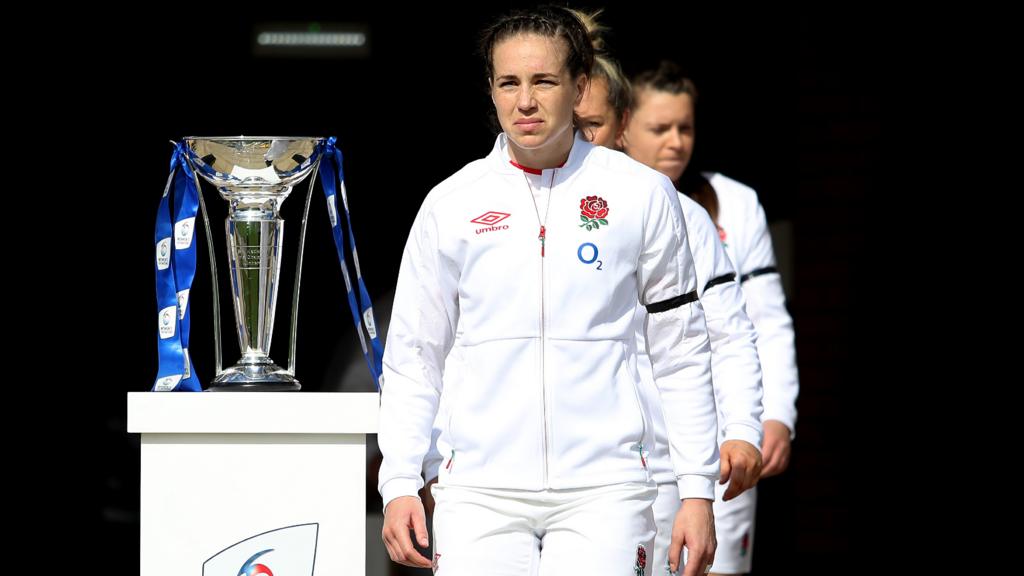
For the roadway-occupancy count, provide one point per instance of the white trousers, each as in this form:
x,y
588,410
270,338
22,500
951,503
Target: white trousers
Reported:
x,y
606,530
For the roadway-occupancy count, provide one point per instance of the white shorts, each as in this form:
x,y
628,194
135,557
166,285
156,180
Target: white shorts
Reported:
x,y
734,529
607,530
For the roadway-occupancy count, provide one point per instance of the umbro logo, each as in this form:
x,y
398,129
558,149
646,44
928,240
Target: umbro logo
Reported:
x,y
490,219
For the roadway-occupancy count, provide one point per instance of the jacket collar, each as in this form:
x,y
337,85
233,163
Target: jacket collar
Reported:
x,y
502,162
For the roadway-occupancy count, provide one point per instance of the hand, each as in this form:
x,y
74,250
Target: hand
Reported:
x,y
776,448
401,515
694,528
741,467
427,497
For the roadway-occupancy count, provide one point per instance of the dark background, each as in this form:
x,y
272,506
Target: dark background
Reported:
x,y
783,108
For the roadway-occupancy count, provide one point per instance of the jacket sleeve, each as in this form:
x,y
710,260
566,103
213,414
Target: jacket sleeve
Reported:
x,y
735,368
766,305
420,335
678,343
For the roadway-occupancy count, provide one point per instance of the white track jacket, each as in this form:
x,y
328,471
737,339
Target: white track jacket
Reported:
x,y
542,390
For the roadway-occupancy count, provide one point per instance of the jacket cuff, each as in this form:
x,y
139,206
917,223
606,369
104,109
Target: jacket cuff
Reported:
x,y
746,433
696,486
786,416
398,487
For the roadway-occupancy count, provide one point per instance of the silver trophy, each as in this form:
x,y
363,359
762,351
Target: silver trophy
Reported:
x,y
255,175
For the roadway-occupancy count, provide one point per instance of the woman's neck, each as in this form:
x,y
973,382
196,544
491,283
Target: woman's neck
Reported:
x,y
551,155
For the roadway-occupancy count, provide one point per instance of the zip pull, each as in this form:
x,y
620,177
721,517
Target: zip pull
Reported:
x,y
639,448
450,460
543,234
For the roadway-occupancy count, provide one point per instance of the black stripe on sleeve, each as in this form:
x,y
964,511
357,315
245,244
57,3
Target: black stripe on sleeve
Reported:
x,y
759,272
672,303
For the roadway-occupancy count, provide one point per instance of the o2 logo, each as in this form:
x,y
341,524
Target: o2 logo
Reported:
x,y
587,253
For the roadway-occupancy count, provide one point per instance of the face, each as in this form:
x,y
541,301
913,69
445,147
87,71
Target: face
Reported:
x,y
534,96
660,132
599,122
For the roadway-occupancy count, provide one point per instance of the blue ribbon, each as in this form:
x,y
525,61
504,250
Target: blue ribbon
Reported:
x,y
333,179
175,242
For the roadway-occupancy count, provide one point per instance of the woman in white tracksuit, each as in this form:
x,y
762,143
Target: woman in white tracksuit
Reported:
x,y
539,256
735,366
660,133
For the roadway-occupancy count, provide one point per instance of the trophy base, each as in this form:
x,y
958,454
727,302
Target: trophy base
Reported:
x,y
267,377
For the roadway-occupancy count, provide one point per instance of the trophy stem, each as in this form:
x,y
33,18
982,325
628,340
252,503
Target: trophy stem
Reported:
x,y
255,234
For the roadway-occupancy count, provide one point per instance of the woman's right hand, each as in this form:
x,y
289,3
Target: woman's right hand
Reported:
x,y
401,515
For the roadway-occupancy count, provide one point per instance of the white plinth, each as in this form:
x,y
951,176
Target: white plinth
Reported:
x,y
226,476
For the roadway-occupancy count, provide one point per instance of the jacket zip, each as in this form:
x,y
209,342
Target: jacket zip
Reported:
x,y
542,236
